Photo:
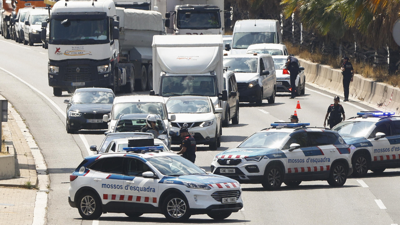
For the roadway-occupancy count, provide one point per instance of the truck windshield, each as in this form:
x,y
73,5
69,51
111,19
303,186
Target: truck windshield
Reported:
x,y
188,85
241,65
77,31
198,19
242,40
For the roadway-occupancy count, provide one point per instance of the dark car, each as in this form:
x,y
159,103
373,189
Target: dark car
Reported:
x,y
86,108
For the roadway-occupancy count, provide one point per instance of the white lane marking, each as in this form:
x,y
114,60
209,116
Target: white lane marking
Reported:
x,y
329,96
380,204
54,105
95,222
263,111
21,46
362,183
281,121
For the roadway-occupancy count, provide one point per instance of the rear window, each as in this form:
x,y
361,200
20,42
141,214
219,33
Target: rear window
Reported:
x,y
109,165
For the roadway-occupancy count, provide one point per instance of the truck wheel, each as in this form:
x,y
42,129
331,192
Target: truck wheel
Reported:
x,y
130,84
235,120
57,91
150,76
141,86
259,100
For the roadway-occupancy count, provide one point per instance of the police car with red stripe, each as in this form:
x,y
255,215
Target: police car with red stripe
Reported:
x,y
375,140
289,153
145,180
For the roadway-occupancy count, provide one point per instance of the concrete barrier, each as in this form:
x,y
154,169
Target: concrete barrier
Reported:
x,y
379,95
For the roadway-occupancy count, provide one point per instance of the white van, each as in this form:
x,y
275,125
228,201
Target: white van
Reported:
x,y
272,49
248,32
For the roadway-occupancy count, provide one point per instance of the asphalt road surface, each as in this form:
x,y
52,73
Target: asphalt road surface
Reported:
x,y
370,200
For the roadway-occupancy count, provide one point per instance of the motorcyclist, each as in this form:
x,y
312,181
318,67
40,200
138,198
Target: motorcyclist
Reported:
x,y
151,125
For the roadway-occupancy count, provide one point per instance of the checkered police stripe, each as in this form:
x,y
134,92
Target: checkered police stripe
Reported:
x,y
129,198
386,157
231,157
224,185
308,169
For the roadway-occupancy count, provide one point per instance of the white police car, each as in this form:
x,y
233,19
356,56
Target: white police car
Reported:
x,y
150,182
289,153
375,136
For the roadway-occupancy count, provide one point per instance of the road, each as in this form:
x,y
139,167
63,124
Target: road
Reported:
x,y
370,200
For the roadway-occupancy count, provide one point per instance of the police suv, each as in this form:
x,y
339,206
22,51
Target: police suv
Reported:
x,y
375,140
289,153
148,181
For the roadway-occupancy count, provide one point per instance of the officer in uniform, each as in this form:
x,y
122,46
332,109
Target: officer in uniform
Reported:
x,y
292,65
294,119
335,112
347,72
188,146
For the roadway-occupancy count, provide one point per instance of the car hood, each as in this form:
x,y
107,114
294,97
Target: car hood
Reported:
x,y
207,179
240,153
193,117
89,108
357,141
238,51
245,77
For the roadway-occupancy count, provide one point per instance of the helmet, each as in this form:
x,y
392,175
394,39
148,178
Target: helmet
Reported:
x,y
336,98
152,118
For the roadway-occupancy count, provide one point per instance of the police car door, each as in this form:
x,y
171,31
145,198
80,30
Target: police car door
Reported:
x,y
108,179
394,140
295,158
140,191
381,151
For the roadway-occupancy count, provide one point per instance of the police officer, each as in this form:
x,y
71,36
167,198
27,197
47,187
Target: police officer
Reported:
x,y
335,112
294,119
348,73
292,65
188,146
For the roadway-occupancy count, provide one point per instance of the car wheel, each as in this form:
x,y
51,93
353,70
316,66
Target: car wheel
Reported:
x,y
214,144
259,100
29,40
292,183
57,91
176,208
89,206
360,164
271,99
273,177
303,91
219,138
219,215
378,170
338,174
235,120
134,214
225,122
25,42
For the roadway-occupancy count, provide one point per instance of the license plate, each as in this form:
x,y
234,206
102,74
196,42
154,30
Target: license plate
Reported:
x,y
78,84
94,120
229,200
278,83
227,170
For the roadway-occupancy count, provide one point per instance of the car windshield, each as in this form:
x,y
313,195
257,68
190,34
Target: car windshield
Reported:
x,y
265,140
354,128
188,85
175,166
242,40
279,63
109,138
198,19
188,106
38,19
136,125
265,51
241,65
137,108
93,97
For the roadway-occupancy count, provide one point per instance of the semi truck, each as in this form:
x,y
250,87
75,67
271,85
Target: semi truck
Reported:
x,y
95,44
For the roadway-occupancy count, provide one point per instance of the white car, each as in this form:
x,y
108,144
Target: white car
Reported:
x,y
197,114
289,153
283,77
33,25
272,49
375,140
121,144
19,24
150,182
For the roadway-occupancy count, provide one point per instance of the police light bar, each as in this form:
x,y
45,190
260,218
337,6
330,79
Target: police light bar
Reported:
x,y
289,125
143,149
374,113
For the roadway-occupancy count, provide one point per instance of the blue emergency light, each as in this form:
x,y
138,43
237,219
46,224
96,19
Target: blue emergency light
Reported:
x,y
143,149
374,113
289,125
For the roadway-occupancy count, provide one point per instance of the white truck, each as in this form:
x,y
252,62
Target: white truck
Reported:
x,y
194,16
89,47
189,65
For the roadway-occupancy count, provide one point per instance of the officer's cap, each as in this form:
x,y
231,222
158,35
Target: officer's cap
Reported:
x,y
336,98
293,117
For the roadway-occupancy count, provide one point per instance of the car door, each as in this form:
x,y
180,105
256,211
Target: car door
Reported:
x,y
235,98
231,97
271,77
381,147
107,179
394,139
138,189
263,78
296,159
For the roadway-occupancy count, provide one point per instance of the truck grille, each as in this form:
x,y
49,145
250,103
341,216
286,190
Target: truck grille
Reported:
x,y
72,74
218,195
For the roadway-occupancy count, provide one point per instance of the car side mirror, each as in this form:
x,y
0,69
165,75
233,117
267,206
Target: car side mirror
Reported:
x,y
301,68
66,101
167,15
223,96
293,146
172,118
219,110
379,135
167,23
105,118
148,174
27,22
227,47
115,33
93,148
233,93
107,132
265,72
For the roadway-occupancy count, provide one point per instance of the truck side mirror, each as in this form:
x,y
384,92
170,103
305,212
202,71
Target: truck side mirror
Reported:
x,y
167,15
27,22
116,33
172,118
227,47
43,34
116,24
224,96
44,24
167,22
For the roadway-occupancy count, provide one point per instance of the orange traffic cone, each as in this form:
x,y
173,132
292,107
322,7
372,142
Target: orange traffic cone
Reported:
x,y
295,113
298,105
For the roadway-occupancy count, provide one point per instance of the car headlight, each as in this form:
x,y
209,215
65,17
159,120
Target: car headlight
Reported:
x,y
255,158
104,69
252,83
74,114
54,69
207,123
196,185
